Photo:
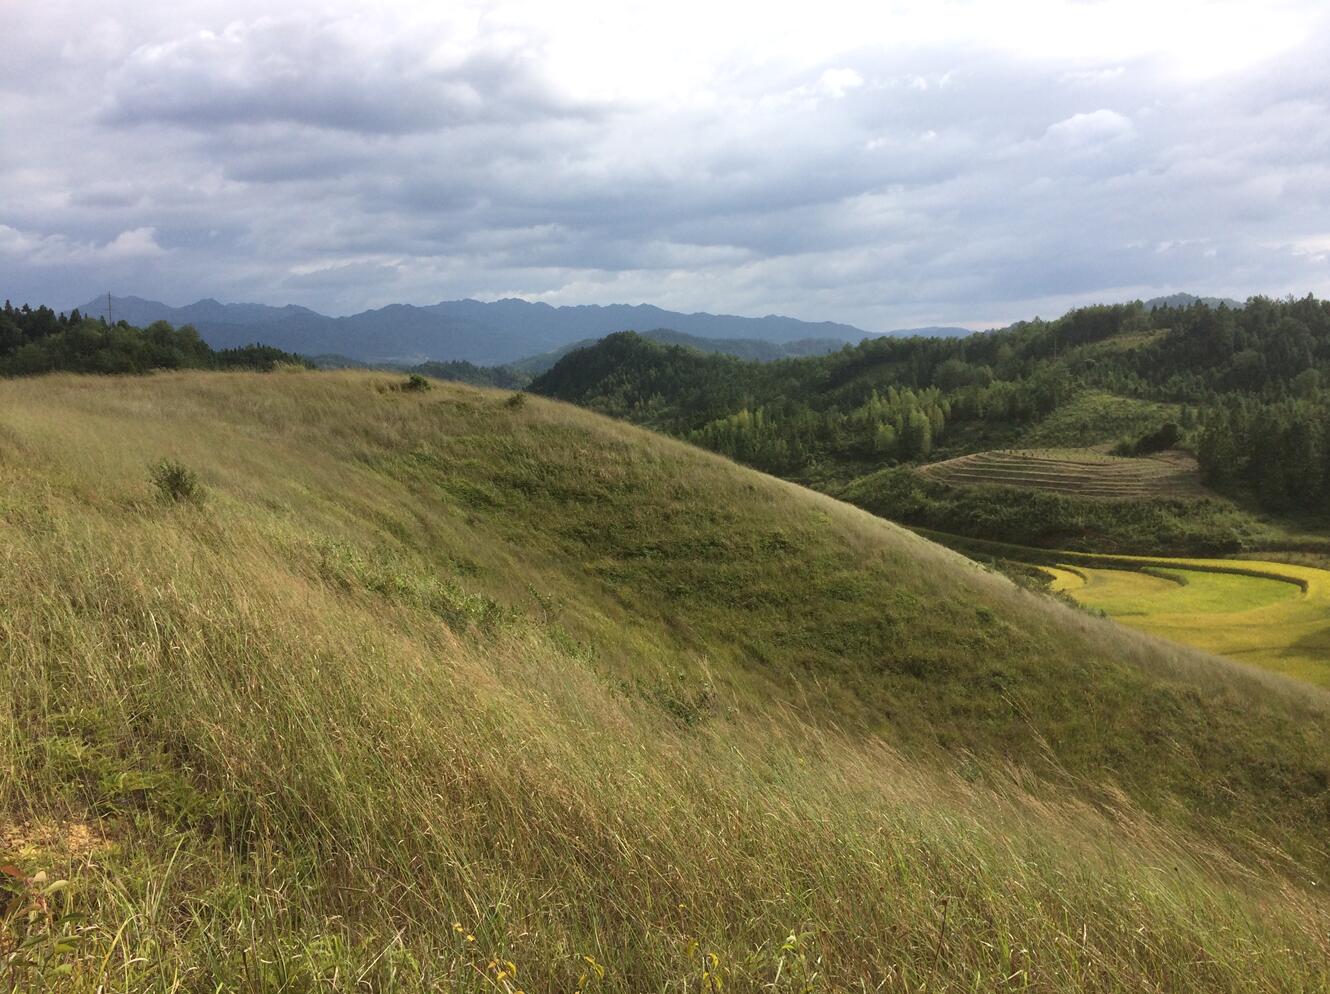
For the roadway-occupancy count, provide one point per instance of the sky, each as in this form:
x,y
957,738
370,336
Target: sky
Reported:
x,y
884,164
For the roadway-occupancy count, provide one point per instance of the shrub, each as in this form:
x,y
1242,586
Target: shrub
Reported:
x,y
175,482
415,383
1165,437
516,401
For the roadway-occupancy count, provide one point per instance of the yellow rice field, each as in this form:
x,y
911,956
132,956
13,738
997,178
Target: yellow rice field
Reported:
x,y
1269,614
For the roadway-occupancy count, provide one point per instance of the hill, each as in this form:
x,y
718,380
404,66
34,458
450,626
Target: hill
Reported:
x,y
1188,299
456,689
1246,391
755,350
484,333
34,341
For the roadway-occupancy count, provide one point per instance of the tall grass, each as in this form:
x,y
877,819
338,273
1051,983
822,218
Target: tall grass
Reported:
x,y
436,692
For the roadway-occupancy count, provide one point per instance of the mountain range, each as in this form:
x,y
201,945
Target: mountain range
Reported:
x,y
484,332
527,334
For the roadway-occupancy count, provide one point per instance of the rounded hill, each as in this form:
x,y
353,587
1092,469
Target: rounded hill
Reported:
x,y
334,681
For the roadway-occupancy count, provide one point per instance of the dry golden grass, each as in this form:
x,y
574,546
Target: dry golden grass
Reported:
x,y
434,692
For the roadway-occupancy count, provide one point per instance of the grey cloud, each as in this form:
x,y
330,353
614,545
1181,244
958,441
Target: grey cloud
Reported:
x,y
323,75
298,161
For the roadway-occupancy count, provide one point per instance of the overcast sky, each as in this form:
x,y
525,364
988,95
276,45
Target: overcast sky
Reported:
x,y
884,164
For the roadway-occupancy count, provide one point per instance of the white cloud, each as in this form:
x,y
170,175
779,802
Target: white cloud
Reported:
x,y
835,83
134,244
1095,126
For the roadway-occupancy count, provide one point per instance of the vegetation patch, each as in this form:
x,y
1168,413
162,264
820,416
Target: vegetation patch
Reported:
x,y
1094,417
1275,615
175,482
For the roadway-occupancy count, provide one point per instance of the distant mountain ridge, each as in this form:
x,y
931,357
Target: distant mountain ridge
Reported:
x,y
485,333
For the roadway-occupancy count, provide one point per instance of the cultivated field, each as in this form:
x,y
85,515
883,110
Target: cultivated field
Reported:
x,y
1076,472
1274,615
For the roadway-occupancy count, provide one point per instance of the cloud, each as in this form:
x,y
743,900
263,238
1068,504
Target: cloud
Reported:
x,y
56,249
342,74
136,243
1092,128
916,163
835,83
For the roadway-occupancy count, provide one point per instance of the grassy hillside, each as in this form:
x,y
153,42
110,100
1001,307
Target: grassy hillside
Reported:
x,y
460,690
1095,417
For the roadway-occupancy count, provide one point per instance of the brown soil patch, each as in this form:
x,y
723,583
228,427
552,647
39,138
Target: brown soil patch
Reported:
x,y
44,838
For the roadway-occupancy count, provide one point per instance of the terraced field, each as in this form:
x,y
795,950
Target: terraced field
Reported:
x,y
1272,615
1275,615
1077,472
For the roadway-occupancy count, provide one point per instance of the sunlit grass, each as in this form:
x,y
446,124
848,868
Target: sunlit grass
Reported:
x,y
434,691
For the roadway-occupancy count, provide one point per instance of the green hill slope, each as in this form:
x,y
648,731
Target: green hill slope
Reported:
x,y
460,690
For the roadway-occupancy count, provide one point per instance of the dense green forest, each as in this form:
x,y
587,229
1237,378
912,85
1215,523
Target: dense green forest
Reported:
x,y
1246,389
38,340
461,371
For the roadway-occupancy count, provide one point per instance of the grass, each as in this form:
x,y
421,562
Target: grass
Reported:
x,y
433,686
1041,517
1095,418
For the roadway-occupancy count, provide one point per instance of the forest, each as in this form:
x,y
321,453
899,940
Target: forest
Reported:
x,y
38,340
1247,389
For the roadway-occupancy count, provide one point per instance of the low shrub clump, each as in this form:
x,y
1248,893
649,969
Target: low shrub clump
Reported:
x,y
175,482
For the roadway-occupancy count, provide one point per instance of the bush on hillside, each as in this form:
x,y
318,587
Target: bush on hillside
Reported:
x,y
175,482
1166,436
415,383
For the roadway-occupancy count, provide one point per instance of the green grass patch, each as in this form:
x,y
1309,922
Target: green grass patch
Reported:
x,y
1094,418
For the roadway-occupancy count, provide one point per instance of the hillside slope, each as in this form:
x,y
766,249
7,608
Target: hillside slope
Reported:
x,y
425,686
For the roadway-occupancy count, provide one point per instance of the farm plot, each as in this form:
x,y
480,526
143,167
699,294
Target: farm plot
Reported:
x,y
1077,472
1272,615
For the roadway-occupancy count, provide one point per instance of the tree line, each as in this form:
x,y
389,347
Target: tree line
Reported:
x,y
39,340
